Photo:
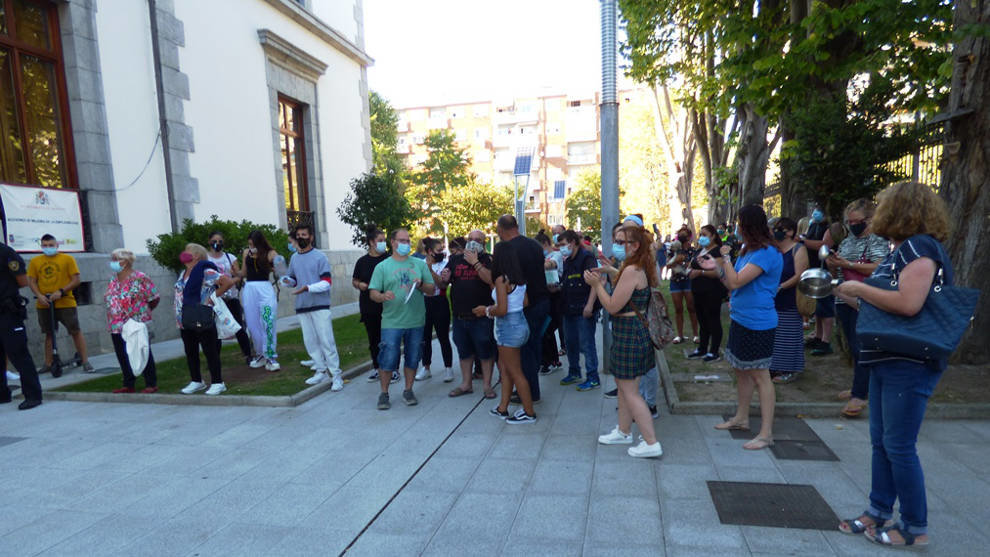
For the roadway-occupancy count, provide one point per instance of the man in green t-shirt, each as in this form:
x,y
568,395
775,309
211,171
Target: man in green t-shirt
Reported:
x,y
398,283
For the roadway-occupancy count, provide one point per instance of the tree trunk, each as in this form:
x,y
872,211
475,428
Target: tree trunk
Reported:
x,y
753,155
965,179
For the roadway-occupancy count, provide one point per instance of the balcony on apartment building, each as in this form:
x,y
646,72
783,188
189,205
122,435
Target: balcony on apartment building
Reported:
x,y
581,123
511,115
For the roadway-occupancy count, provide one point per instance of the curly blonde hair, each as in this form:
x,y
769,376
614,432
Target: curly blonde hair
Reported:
x,y
909,208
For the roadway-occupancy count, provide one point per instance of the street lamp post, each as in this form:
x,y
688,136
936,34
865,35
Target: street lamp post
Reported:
x,y
610,150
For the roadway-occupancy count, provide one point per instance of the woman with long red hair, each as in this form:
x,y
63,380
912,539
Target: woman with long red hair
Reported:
x,y
632,351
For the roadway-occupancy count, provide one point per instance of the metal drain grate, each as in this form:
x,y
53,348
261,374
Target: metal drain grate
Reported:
x,y
773,505
793,440
803,450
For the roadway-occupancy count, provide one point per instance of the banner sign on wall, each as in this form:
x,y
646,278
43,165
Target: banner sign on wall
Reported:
x,y
32,212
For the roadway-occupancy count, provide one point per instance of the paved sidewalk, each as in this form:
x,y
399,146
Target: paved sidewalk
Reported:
x,y
441,478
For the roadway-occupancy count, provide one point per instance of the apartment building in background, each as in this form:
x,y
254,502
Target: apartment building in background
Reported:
x,y
561,129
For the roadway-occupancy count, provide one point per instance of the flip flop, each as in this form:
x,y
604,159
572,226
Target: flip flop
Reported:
x,y
459,392
882,537
732,426
758,443
853,411
489,393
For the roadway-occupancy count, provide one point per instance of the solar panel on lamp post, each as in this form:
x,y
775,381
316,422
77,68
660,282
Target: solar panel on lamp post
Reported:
x,y
524,162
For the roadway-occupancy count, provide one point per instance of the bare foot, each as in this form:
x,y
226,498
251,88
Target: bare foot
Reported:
x,y
733,424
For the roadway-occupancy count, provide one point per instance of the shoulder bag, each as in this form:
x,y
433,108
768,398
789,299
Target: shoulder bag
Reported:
x,y
656,320
931,334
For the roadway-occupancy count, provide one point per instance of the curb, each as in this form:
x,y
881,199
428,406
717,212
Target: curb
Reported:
x,y
935,410
202,400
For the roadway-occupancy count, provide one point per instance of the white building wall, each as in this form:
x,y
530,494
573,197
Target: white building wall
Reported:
x,y
132,117
338,14
230,113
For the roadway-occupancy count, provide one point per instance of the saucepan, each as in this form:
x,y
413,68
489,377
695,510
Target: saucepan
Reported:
x,y
818,283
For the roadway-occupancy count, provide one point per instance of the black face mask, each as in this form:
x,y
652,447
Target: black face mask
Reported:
x,y
779,235
217,246
857,229
303,243
438,257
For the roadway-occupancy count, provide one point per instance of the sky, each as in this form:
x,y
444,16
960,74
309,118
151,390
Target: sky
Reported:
x,y
430,52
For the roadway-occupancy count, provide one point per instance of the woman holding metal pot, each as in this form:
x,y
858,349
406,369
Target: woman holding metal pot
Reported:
x,y
915,219
856,259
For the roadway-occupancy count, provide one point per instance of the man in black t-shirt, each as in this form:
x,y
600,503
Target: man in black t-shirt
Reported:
x,y
371,312
13,337
530,256
470,279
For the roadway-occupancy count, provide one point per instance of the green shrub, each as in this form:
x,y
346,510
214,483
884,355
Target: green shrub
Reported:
x,y
165,249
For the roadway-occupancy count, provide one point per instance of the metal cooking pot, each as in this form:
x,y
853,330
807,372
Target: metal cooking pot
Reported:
x,y
818,283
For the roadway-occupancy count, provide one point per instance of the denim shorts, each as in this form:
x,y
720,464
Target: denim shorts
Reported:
x,y
511,330
391,346
825,307
474,337
680,285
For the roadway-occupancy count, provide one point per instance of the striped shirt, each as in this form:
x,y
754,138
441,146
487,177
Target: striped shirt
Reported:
x,y
873,248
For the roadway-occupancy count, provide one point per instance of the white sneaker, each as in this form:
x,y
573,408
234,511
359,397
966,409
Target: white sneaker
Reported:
x,y
11,376
307,363
423,373
616,437
272,365
257,362
448,375
192,387
338,384
373,377
395,377
216,389
317,378
646,451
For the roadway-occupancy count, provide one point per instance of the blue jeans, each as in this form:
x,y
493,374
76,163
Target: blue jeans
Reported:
x,y
392,341
581,340
899,392
861,375
648,386
474,338
511,330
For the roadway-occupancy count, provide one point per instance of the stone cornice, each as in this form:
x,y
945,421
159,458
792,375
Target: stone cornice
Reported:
x,y
293,58
328,34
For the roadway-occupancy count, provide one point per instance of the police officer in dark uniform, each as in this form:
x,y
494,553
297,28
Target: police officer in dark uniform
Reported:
x,y
13,337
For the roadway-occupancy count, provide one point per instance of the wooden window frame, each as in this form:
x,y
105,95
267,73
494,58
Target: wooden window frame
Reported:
x,y
299,135
16,48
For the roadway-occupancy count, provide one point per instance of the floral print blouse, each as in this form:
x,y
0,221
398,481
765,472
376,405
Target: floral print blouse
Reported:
x,y
129,299
210,278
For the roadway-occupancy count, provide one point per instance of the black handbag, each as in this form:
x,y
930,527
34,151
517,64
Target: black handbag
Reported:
x,y
931,334
197,317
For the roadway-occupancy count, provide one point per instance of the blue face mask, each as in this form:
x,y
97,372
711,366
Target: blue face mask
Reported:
x,y
555,239
380,247
403,249
546,253
116,267
618,252
817,215
49,251
565,250
292,247
704,241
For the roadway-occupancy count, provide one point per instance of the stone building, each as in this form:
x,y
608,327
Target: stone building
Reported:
x,y
156,111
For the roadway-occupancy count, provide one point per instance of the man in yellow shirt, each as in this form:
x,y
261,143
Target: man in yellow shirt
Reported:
x,y
52,277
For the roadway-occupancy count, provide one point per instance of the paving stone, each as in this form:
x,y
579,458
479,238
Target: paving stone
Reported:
x,y
526,547
570,448
627,476
520,446
785,541
501,475
684,481
241,538
560,517
414,513
623,549
477,516
47,531
373,544
690,523
562,477
634,520
448,475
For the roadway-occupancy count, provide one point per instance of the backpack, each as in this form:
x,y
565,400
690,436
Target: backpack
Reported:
x,y
656,320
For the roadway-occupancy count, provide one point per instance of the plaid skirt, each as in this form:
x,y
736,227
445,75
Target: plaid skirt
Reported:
x,y
632,354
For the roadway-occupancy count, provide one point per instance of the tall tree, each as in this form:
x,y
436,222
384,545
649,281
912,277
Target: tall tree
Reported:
x,y
447,166
966,178
473,206
584,203
676,129
384,136
374,199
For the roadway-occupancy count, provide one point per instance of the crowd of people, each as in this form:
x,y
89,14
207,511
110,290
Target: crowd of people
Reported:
x,y
533,301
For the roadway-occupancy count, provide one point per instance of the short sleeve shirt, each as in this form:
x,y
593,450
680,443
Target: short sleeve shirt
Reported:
x,y
129,299
399,277
210,278
53,273
467,290
363,269
753,304
226,265
13,266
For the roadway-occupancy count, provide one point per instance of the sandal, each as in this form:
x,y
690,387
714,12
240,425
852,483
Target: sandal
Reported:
x,y
677,340
733,426
785,378
857,526
882,537
844,395
459,392
489,393
696,340
758,443
853,409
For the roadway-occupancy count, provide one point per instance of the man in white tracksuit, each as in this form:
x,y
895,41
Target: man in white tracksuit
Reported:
x,y
310,269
